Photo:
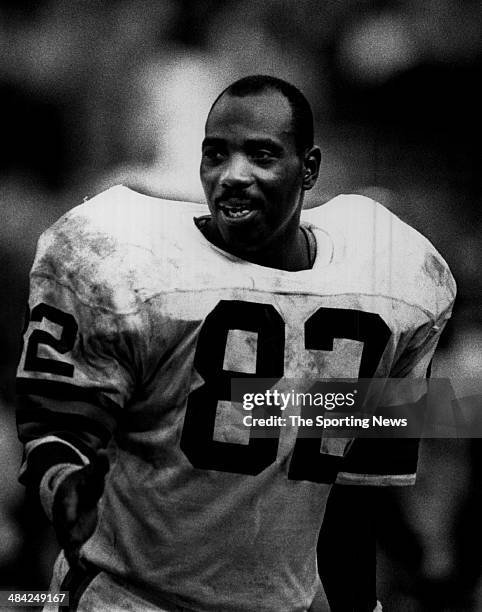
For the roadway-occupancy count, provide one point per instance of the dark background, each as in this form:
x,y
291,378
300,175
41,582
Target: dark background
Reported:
x,y
95,93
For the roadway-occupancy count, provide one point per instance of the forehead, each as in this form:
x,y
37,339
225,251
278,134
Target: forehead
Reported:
x,y
267,114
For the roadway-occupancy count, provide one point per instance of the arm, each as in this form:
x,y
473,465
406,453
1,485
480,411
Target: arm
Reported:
x,y
72,385
64,463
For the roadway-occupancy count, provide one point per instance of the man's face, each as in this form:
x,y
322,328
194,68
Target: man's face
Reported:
x,y
250,170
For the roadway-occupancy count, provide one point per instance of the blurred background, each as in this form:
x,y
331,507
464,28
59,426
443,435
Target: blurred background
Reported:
x,y
97,93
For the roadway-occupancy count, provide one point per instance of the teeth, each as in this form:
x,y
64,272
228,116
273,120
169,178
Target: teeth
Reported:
x,y
236,212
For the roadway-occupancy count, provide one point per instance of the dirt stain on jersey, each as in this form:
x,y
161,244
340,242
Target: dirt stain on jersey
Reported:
x,y
434,269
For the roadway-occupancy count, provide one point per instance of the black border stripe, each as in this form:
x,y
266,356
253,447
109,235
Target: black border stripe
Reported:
x,y
67,391
385,457
62,421
95,413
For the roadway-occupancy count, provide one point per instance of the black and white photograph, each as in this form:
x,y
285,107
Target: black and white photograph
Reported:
x,y
241,321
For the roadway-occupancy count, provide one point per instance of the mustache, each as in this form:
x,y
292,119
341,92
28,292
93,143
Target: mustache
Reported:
x,y
236,194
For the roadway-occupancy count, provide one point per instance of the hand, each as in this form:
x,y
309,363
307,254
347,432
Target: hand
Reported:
x,y
75,506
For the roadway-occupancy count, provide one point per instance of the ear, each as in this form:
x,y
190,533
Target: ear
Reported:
x,y
311,167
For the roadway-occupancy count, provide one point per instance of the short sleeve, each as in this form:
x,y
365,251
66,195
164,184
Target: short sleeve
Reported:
x,y
393,461
77,370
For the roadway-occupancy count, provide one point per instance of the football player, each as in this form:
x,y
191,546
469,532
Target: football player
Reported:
x,y
143,310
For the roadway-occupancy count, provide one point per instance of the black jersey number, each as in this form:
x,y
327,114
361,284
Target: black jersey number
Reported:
x,y
321,329
61,344
197,436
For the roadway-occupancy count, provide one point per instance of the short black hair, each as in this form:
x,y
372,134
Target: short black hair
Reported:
x,y
302,114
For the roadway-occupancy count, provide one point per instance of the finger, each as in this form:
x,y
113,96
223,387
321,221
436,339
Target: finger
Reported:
x,y
73,557
101,462
92,484
74,538
70,504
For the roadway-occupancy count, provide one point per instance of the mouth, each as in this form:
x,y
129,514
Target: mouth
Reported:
x,y
237,209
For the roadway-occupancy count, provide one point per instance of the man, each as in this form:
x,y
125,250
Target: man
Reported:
x,y
141,316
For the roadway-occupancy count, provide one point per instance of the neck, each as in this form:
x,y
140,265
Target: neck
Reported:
x,y
290,252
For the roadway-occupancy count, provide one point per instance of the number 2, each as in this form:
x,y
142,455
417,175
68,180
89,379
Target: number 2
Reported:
x,y
61,345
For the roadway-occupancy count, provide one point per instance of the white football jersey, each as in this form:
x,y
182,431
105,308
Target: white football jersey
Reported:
x,y
137,325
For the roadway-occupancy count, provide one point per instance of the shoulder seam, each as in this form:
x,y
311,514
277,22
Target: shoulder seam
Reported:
x,y
52,278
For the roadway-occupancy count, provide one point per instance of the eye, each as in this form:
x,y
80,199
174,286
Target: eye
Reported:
x,y
263,156
213,155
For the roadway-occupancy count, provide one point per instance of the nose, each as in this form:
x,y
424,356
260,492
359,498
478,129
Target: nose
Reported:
x,y
236,172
